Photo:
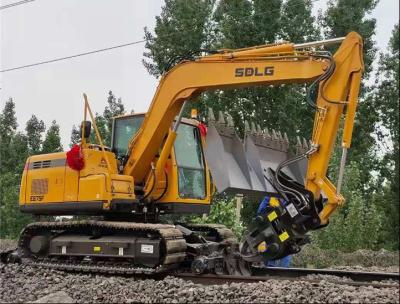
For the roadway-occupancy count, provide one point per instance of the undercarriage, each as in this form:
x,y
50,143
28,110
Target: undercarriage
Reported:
x,y
130,248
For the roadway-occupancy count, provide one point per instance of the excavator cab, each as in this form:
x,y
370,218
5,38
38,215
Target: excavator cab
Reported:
x,y
186,164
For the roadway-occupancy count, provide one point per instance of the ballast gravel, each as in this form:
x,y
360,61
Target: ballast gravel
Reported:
x,y
22,283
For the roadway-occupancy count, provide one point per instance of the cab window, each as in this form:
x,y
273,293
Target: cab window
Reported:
x,y
124,129
190,162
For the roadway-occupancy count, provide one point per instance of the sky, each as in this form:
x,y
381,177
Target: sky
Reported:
x,y
47,29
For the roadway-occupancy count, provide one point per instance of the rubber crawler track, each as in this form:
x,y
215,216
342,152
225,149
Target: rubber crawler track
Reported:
x,y
174,244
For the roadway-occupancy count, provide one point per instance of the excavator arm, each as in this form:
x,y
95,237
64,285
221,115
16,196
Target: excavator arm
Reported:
x,y
338,78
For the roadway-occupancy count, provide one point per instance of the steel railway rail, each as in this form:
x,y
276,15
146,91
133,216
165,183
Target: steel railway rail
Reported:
x,y
357,278
354,275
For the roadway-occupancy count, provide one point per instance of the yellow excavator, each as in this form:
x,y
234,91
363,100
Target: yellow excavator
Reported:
x,y
161,163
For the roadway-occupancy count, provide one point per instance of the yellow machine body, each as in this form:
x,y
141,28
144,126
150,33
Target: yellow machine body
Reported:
x,y
50,186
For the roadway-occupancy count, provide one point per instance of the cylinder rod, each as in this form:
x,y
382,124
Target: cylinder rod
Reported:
x,y
319,43
341,170
178,120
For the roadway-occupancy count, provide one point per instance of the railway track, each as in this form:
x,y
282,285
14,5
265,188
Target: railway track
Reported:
x,y
260,274
340,277
353,278
354,275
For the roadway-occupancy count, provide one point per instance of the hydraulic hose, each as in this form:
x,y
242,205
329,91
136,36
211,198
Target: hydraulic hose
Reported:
x,y
322,77
153,170
278,184
165,189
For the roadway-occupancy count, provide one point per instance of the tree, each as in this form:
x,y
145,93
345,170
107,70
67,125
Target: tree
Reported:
x,y
34,131
267,20
8,121
340,18
180,30
52,141
222,212
114,108
385,99
234,24
75,136
358,225
297,22
101,124
11,219
8,127
20,152
246,23
14,152
344,16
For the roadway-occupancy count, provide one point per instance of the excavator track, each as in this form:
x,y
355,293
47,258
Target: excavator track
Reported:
x,y
220,232
175,255
173,247
98,268
217,232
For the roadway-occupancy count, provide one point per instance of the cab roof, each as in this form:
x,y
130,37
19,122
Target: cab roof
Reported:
x,y
189,121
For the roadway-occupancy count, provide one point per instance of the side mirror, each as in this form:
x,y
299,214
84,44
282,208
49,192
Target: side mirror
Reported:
x,y
87,125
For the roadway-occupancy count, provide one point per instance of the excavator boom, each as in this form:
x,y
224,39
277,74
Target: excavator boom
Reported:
x,y
338,79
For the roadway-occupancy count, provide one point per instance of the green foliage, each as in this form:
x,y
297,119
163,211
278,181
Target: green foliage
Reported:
x,y
52,141
246,23
34,131
8,121
169,44
20,152
114,108
234,24
356,226
8,126
15,148
13,152
11,220
75,137
344,16
312,256
385,99
297,22
223,212
340,18
102,128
